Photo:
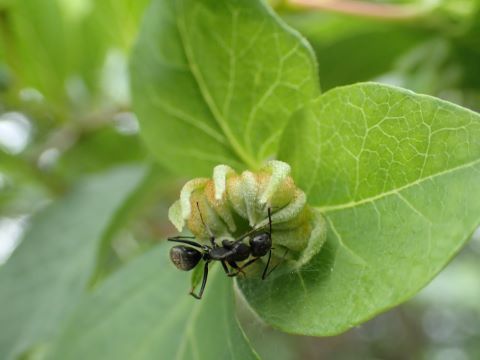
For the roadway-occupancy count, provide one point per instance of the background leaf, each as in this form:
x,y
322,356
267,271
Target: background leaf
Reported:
x,y
216,82
48,273
144,312
397,176
351,50
59,47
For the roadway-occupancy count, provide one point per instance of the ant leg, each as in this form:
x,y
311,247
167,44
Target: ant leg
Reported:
x,y
264,276
246,235
204,282
182,237
268,263
212,241
249,233
188,242
240,269
225,267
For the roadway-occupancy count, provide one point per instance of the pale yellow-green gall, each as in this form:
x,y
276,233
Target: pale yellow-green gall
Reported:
x,y
232,204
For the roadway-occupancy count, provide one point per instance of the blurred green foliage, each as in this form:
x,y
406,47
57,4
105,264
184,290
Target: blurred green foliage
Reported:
x,y
411,53
63,65
64,76
59,47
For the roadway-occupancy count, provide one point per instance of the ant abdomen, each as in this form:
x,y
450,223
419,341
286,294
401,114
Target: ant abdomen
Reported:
x,y
185,258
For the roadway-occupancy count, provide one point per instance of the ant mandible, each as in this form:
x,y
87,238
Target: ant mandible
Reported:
x,y
187,257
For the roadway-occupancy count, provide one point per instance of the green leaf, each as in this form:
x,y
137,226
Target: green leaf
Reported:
x,y
34,37
197,275
216,82
59,47
47,274
397,176
96,34
5,4
101,149
144,312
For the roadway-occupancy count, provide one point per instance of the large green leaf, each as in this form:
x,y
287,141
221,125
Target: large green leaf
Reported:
x,y
216,81
47,274
144,312
397,175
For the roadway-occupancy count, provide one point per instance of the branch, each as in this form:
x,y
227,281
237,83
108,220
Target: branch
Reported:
x,y
365,9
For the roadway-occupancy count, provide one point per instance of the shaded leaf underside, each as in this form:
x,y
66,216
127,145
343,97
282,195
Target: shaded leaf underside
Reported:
x,y
145,312
48,273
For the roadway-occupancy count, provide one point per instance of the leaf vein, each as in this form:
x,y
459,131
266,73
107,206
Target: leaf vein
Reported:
x,y
239,150
351,204
345,246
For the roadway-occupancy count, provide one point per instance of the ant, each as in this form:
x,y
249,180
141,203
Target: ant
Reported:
x,y
187,257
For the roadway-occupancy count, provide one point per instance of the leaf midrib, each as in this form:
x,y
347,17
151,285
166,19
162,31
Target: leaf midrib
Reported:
x,y
351,204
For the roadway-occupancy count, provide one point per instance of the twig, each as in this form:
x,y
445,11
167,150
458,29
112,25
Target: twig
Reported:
x,y
364,9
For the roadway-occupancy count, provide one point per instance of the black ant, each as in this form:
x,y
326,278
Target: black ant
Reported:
x,y
186,258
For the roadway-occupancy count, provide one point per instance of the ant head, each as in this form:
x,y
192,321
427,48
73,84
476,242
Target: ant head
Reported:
x,y
261,244
184,257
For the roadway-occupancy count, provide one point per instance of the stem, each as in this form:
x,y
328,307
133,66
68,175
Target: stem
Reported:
x,y
363,9
66,136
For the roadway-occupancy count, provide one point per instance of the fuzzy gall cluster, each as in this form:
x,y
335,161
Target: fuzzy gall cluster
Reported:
x,y
232,204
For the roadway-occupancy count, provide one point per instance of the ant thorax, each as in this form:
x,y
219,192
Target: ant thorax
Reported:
x,y
234,255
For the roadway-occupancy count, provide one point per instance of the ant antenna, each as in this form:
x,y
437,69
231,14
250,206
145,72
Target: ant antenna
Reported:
x,y
212,238
265,273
